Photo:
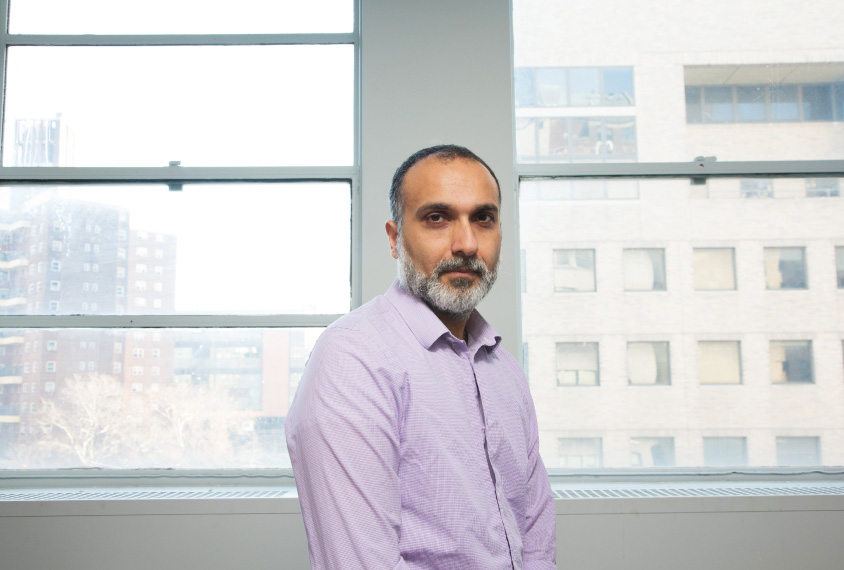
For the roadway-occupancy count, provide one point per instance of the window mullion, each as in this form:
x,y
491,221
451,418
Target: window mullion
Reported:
x,y
695,169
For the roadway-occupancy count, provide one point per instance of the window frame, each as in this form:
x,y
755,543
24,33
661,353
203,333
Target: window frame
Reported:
x,y
174,177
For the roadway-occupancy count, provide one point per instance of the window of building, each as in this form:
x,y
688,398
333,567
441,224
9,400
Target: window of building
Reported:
x,y
652,452
577,364
155,370
757,188
52,345
648,363
822,188
791,362
719,362
725,451
839,266
137,371
579,452
138,352
55,285
55,266
798,451
785,268
644,269
574,270
715,268
116,367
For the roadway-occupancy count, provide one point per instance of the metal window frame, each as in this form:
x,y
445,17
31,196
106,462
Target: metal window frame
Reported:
x,y
177,176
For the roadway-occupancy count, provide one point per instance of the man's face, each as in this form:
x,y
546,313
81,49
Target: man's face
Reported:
x,y
450,238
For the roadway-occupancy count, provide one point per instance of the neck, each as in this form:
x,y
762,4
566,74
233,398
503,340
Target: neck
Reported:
x,y
456,326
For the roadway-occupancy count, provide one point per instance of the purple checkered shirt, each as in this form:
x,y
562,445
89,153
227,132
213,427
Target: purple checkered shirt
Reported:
x,y
412,450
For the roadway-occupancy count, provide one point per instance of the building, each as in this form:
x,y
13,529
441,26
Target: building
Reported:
x,y
675,322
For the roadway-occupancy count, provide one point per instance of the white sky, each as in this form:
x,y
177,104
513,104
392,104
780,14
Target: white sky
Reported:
x,y
265,248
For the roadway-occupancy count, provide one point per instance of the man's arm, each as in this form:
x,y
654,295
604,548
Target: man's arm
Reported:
x,y
343,437
539,545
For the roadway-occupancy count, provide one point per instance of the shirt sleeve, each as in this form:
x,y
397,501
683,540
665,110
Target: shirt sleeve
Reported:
x,y
539,545
343,438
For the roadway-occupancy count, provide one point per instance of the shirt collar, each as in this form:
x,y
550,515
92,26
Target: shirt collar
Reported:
x,y
428,328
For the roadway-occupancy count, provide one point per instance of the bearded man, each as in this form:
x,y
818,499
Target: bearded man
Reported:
x,y
413,435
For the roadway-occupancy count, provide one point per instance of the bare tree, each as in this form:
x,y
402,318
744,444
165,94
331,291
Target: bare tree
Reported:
x,y
87,420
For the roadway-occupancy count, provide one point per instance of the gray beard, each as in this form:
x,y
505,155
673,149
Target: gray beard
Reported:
x,y
456,301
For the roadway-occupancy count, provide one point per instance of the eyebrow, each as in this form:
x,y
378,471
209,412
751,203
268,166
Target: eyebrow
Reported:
x,y
434,206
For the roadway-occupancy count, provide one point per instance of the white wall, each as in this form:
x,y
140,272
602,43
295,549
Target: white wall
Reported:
x,y
436,72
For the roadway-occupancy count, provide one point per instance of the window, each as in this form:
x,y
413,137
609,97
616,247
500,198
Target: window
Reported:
x,y
748,103
652,452
822,187
798,451
714,268
577,364
156,352
52,345
305,137
724,451
785,268
757,188
644,270
791,362
579,452
719,362
138,352
137,371
574,270
839,266
648,363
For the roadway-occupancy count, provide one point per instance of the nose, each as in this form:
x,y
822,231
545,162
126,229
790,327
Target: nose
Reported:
x,y
463,240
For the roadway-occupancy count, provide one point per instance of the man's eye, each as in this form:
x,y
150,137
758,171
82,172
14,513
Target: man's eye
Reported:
x,y
486,218
435,218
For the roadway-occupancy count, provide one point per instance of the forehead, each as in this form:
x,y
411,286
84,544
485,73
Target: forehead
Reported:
x,y
458,182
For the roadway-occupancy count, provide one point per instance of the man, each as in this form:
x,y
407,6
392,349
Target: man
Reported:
x,y
413,435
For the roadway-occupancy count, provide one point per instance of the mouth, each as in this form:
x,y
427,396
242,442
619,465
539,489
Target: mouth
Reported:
x,y
460,272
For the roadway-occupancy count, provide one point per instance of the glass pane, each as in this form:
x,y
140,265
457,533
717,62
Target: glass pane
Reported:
x,y
751,103
618,86
724,451
798,451
718,105
585,86
817,102
652,452
714,269
167,398
644,270
712,85
207,249
574,270
551,87
714,244
579,452
179,16
719,362
203,106
784,103
577,364
785,267
648,363
791,362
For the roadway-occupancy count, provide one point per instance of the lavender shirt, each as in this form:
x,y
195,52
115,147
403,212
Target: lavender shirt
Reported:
x,y
412,450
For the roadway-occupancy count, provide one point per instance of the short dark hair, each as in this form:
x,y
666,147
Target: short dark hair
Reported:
x,y
445,152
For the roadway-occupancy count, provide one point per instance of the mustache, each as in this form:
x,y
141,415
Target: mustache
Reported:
x,y
462,263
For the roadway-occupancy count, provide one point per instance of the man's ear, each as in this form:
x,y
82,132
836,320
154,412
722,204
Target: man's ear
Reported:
x,y
393,235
